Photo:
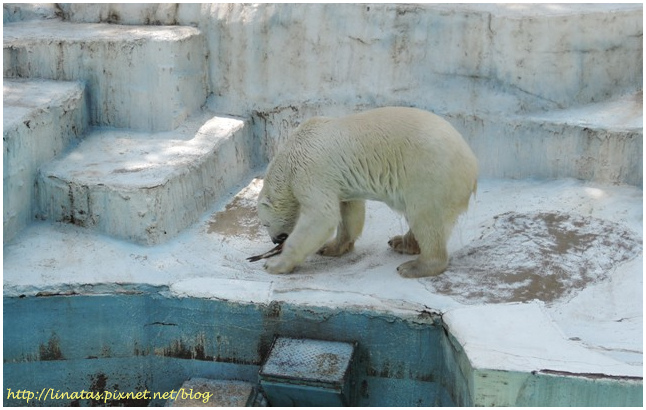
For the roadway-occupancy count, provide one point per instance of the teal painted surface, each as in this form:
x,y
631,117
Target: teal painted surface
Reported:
x,y
553,390
52,328
393,392
150,342
468,386
457,374
132,374
285,395
145,341
50,381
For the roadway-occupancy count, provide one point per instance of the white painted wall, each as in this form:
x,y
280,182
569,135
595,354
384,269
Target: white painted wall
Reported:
x,y
268,55
492,70
35,131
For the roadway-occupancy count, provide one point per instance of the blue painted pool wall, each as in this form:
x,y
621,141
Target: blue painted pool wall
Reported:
x,y
469,386
132,342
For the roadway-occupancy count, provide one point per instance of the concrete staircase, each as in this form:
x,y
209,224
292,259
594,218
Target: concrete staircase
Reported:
x,y
138,77
153,159
145,187
150,162
296,372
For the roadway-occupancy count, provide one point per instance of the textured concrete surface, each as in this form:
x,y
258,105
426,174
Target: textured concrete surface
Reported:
x,y
146,187
208,261
145,77
40,120
545,287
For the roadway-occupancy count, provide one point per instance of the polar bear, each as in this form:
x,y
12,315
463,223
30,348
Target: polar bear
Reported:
x,y
410,159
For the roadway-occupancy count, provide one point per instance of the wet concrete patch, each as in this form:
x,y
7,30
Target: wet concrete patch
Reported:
x,y
543,255
239,217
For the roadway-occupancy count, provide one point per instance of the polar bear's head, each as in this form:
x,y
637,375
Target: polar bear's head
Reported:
x,y
277,212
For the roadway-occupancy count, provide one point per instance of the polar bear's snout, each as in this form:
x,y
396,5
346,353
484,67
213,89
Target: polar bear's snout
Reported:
x,y
279,239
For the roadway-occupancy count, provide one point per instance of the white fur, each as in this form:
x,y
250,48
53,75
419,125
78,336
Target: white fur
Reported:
x,y
411,159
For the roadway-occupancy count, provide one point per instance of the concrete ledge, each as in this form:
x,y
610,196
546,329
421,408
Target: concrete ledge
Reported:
x,y
28,11
533,365
601,142
145,187
138,77
40,119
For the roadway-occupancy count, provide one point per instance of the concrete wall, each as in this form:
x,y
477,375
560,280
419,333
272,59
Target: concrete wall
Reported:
x,y
268,55
146,341
488,68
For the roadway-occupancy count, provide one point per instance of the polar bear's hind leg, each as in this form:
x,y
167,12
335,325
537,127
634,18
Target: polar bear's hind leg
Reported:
x,y
431,233
353,215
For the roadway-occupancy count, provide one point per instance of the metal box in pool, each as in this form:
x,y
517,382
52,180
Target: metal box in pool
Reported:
x,y
305,372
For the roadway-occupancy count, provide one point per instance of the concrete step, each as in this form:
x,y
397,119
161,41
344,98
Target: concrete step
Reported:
x,y
200,392
29,11
601,142
40,119
139,77
146,187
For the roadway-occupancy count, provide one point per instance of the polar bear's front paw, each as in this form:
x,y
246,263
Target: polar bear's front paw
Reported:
x,y
278,265
333,248
417,269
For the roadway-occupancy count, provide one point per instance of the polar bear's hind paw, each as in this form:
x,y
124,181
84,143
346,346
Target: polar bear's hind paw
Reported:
x,y
417,269
405,244
333,248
